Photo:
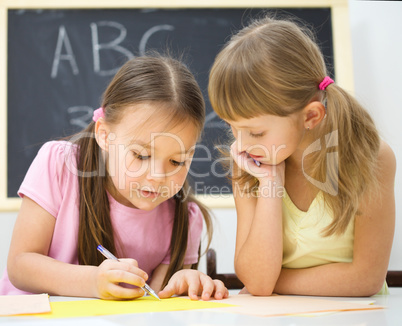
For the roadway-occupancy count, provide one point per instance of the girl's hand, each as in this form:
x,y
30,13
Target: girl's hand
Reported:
x,y
264,173
111,273
194,283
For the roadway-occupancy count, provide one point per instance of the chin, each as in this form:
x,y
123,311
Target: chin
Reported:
x,y
147,205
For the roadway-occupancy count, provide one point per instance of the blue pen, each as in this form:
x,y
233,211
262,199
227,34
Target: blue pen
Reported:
x,y
257,163
109,255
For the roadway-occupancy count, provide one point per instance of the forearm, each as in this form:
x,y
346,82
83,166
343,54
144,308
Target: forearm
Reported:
x,y
259,260
335,279
37,273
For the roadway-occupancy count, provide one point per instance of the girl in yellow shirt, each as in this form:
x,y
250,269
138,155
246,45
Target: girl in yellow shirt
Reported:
x,y
313,182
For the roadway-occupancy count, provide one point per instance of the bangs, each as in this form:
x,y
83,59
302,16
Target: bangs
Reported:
x,y
232,93
161,118
172,117
247,80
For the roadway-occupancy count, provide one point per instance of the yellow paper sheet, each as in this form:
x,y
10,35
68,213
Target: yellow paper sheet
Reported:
x,y
281,305
24,304
86,308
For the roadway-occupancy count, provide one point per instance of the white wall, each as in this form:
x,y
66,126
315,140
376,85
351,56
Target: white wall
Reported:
x,y
377,63
377,60
7,221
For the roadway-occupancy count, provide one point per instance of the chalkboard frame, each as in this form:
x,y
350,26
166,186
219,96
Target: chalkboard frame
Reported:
x,y
341,44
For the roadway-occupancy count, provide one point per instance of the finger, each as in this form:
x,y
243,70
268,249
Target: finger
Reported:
x,y
236,157
121,276
242,159
208,287
220,290
129,267
129,261
194,286
118,292
234,148
167,292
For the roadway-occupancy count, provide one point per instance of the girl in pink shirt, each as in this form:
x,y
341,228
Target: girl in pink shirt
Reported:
x,y
121,183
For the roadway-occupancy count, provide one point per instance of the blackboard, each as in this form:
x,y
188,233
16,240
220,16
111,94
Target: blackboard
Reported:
x,y
60,61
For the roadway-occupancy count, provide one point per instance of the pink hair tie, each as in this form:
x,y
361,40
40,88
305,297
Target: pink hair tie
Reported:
x,y
325,82
98,113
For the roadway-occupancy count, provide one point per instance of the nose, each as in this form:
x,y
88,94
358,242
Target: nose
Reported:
x,y
242,142
157,172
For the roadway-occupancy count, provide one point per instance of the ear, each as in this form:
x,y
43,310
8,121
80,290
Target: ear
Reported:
x,y
313,114
102,131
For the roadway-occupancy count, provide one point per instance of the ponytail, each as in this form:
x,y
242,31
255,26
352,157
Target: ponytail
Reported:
x,y
348,158
95,226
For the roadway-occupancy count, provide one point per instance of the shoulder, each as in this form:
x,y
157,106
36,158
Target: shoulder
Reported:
x,y
53,155
386,155
58,161
61,149
386,162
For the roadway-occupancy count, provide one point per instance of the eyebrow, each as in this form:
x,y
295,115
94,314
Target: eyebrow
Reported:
x,y
192,149
141,143
242,127
148,146
249,127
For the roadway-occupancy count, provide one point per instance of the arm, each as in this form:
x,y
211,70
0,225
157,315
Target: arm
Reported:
x,y
374,230
30,268
258,254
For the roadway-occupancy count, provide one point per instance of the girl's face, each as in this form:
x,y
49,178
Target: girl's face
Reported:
x,y
148,162
269,139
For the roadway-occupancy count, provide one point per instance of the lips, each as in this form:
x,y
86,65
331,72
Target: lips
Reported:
x,y
256,157
149,194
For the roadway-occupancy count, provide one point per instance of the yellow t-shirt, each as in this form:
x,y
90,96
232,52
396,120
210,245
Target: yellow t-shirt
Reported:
x,y
303,243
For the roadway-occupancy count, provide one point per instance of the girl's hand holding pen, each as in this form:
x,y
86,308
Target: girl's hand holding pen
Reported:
x,y
194,283
110,273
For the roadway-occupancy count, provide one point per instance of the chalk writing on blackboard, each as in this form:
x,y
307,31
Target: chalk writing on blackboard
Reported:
x,y
65,52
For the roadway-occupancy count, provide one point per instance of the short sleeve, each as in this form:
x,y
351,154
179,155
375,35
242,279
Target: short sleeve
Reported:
x,y
42,183
194,233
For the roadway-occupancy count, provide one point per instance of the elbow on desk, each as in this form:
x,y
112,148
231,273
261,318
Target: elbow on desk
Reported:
x,y
260,291
258,284
256,287
370,286
12,272
16,272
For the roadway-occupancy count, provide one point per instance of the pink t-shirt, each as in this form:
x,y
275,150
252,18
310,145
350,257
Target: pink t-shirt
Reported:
x,y
52,182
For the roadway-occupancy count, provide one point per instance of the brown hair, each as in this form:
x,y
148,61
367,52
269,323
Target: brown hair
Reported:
x,y
274,66
148,79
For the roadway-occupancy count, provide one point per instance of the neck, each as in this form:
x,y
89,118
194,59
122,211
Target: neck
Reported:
x,y
301,158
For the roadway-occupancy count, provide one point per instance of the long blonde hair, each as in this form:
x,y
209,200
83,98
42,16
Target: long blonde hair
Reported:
x,y
274,67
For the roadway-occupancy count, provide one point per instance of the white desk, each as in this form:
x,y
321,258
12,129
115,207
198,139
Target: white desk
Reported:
x,y
392,315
